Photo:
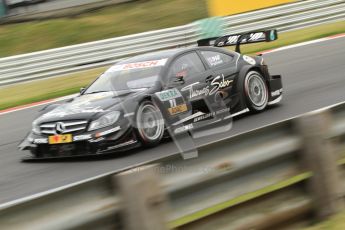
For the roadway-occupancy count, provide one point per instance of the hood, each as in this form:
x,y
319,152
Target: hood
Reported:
x,y
86,106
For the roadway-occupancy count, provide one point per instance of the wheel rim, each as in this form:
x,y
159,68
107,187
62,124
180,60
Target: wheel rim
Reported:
x,y
150,122
256,90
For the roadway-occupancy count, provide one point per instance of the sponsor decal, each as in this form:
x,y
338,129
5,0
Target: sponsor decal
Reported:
x,y
40,141
122,145
249,60
128,114
169,94
188,118
217,83
215,60
178,109
234,39
276,93
196,92
117,128
212,114
138,65
183,128
82,137
97,140
172,103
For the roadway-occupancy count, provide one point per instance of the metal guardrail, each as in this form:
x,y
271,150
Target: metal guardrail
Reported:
x,y
59,61
24,10
257,179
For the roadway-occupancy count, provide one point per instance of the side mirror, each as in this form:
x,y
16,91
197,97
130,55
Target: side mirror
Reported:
x,y
82,90
179,79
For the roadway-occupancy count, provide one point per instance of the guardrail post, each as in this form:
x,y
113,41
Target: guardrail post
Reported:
x,y
319,157
144,202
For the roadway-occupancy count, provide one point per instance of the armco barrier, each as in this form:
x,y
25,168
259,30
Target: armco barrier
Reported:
x,y
281,173
56,62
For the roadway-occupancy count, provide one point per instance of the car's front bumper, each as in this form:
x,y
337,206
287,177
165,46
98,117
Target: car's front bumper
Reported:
x,y
105,141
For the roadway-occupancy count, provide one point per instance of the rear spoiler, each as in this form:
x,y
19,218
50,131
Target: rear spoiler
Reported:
x,y
238,39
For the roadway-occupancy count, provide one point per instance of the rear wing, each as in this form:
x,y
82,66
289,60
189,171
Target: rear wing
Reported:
x,y
238,39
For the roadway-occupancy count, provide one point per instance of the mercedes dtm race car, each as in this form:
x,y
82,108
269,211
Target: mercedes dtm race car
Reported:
x,y
142,99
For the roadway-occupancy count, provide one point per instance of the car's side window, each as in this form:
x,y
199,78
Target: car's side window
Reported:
x,y
186,66
214,59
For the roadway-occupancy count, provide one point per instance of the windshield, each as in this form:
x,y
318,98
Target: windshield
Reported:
x,y
130,76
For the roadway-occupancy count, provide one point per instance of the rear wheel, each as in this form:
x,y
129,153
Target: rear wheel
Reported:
x,y
150,123
256,91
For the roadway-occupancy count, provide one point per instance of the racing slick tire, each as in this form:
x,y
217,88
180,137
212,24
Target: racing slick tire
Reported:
x,y
149,124
256,91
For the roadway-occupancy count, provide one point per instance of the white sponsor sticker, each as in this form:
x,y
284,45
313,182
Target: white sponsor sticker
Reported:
x,y
97,140
138,65
217,83
277,92
117,128
249,60
215,60
183,128
40,141
82,137
122,144
212,114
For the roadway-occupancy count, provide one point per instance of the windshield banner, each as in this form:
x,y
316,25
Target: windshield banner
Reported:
x,y
138,65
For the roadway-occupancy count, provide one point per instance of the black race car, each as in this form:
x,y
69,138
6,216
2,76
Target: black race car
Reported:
x,y
142,99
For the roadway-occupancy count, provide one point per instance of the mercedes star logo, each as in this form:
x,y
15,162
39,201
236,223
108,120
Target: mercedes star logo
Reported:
x,y
60,127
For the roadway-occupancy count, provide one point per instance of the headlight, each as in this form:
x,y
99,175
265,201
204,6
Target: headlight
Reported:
x,y
105,120
35,128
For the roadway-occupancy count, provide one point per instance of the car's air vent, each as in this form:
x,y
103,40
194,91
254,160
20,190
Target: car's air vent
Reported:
x,y
61,127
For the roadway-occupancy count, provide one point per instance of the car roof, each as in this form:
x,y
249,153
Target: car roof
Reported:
x,y
162,54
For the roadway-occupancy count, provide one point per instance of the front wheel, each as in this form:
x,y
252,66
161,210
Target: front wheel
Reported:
x,y
150,124
256,91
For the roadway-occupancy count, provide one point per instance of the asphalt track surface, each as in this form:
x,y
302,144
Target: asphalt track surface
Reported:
x,y
313,77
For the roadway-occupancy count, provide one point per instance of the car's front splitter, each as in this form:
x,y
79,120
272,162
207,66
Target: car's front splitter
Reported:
x,y
109,143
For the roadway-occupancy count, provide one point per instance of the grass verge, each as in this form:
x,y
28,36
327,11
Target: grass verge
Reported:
x,y
25,93
123,19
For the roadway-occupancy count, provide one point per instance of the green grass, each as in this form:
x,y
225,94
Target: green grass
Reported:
x,y
122,19
24,93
